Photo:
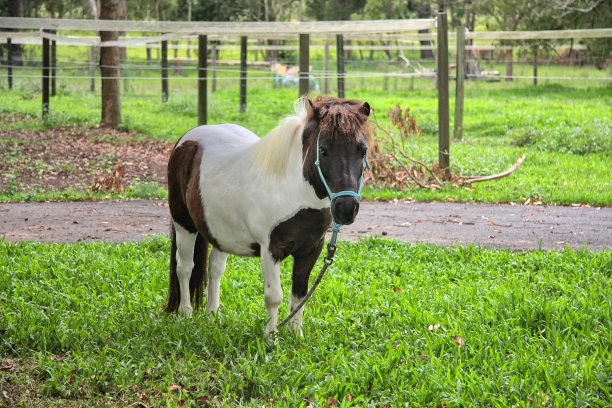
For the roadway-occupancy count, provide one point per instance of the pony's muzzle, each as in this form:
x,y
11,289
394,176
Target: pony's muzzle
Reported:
x,y
345,209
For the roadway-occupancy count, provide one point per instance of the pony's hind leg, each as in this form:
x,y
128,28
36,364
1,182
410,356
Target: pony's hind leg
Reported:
x,y
217,261
190,275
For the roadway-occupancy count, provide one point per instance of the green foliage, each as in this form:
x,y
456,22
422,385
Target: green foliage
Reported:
x,y
322,10
575,138
598,50
398,324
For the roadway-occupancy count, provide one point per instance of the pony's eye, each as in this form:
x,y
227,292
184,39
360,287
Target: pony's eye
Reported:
x,y
322,151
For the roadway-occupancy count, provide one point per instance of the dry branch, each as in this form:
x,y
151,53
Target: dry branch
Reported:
x,y
393,167
495,176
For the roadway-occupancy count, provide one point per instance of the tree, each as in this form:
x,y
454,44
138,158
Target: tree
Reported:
x,y
588,14
323,10
506,15
109,68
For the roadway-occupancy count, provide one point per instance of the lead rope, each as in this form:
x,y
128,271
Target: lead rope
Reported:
x,y
331,245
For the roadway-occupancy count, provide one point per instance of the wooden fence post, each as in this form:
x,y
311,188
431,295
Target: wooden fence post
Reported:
x,y
459,90
9,63
53,64
45,77
243,73
535,66
304,63
164,70
340,58
92,69
125,75
214,67
326,69
202,79
443,111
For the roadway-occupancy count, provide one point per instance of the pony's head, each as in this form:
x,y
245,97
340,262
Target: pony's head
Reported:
x,y
336,134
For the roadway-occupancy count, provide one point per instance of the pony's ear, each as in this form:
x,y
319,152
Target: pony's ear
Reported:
x,y
365,109
311,110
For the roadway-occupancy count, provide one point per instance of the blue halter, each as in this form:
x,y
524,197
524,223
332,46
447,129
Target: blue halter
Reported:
x,y
333,196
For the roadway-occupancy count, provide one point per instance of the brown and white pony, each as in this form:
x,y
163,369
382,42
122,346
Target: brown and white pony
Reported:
x,y
264,197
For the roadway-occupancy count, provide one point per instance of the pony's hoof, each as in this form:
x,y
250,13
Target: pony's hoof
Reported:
x,y
271,334
296,328
186,311
214,316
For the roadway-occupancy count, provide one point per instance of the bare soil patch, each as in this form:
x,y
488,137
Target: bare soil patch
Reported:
x,y
519,227
78,158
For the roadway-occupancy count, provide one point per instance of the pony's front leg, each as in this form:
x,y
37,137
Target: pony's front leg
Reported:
x,y
303,262
217,262
273,292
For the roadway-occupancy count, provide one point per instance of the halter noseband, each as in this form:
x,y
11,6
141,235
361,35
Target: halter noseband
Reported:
x,y
333,196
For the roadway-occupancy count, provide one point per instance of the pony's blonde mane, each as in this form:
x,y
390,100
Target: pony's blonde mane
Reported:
x,y
271,154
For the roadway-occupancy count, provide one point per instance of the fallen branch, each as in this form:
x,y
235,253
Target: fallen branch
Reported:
x,y
408,171
422,164
495,176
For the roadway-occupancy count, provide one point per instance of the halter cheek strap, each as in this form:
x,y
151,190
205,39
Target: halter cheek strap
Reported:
x,y
333,196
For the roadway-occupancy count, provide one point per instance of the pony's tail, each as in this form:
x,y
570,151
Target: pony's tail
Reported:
x,y
198,275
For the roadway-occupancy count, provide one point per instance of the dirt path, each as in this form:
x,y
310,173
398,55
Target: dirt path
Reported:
x,y
500,226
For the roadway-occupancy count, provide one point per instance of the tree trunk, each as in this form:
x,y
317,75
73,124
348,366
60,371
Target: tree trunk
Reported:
x,y
16,50
426,51
423,10
509,66
109,68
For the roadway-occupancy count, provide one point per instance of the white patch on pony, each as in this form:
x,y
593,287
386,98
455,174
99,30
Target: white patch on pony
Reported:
x,y
185,244
217,261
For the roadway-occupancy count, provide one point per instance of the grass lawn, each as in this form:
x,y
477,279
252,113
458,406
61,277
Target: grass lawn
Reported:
x,y
392,324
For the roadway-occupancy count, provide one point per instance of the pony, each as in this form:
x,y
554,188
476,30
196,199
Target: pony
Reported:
x,y
269,197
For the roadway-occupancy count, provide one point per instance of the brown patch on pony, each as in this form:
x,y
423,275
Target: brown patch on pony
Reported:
x,y
184,196
300,234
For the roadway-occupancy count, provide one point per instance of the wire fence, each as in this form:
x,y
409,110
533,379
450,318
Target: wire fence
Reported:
x,y
388,62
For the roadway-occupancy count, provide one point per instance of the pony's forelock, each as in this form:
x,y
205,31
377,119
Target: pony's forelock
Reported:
x,y
342,118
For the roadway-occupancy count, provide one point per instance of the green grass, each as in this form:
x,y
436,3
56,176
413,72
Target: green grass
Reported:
x,y
565,129
392,323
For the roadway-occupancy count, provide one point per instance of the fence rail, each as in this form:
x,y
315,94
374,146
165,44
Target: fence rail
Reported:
x,y
251,29
350,34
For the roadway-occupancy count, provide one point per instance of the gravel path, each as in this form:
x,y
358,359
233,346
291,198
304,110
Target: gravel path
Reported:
x,y
490,225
